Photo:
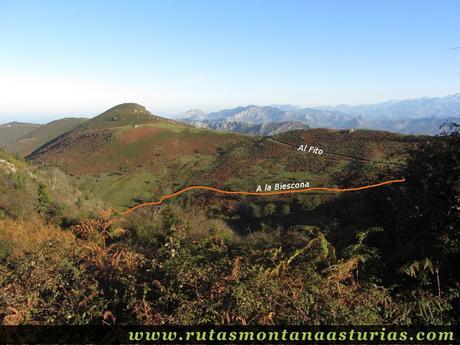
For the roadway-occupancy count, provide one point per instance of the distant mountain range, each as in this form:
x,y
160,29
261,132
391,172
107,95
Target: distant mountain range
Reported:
x,y
264,129
415,116
268,120
439,107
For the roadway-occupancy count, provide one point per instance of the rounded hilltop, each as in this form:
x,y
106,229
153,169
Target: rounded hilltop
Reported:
x,y
121,115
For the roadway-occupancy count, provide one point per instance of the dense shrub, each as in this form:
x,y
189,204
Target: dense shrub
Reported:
x,y
6,247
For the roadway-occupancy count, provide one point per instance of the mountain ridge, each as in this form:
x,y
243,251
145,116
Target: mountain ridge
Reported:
x,y
418,116
12,131
444,106
33,140
262,129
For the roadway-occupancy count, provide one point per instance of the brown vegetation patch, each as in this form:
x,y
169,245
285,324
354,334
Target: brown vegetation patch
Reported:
x,y
183,145
135,134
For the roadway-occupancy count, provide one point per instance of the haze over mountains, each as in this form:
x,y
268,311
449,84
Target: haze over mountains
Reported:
x,y
414,116
441,107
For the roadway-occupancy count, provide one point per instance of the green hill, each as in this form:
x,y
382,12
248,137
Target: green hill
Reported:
x,y
126,155
121,115
10,132
42,135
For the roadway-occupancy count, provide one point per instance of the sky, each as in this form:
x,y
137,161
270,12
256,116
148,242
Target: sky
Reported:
x,y
79,58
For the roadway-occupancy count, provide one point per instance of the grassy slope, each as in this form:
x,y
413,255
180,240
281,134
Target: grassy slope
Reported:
x,y
12,132
19,186
42,135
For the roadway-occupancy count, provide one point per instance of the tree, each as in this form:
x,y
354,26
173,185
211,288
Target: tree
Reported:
x,y
285,209
43,199
367,256
253,210
424,221
269,209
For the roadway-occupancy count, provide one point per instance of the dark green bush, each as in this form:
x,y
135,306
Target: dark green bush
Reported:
x,y
6,247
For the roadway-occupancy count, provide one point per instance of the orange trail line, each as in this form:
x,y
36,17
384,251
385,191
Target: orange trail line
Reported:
x,y
291,191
